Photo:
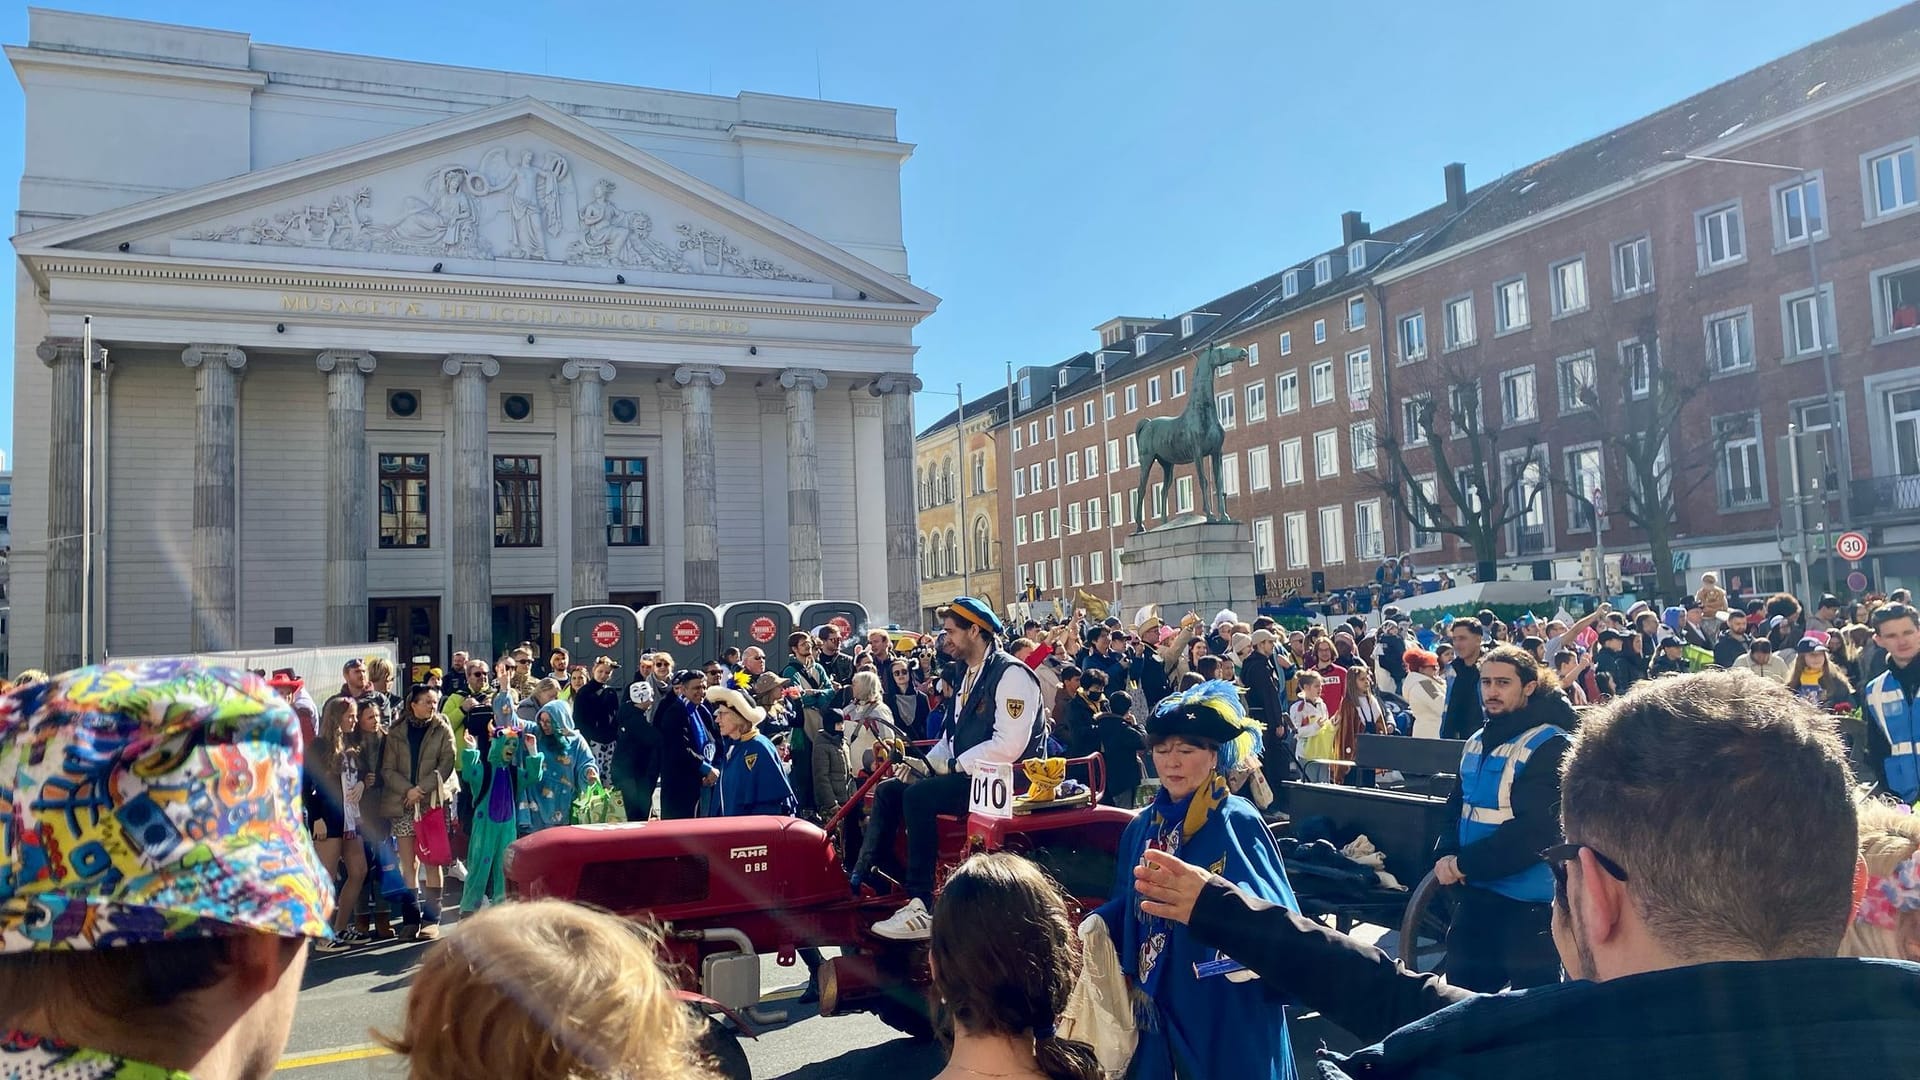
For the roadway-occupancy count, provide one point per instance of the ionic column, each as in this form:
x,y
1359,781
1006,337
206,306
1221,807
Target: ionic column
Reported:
x,y
589,379
215,622
66,502
805,576
702,485
349,494
471,612
895,392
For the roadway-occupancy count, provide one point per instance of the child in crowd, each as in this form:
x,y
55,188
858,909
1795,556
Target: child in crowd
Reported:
x,y
1317,736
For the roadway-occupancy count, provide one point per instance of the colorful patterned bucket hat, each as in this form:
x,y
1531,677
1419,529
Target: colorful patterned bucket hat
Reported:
x,y
152,802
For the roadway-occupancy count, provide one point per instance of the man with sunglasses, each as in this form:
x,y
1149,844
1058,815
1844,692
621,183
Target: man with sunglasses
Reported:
x,y
1699,920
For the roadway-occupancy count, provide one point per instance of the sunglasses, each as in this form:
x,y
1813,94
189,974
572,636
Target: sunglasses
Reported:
x,y
1557,857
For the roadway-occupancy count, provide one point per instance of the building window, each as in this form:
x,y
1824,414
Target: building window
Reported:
x,y
1179,382
1322,382
1019,530
1359,375
1186,326
1413,337
1576,383
1053,523
1636,360
1109,408
1369,539
1295,526
1322,270
1019,484
1079,576
1466,478
1153,390
1223,406
1183,495
1719,236
626,502
1742,483
1366,455
1113,455
1230,474
1053,473
1319,331
1459,328
1092,456
1133,451
1133,399
1510,306
1050,429
1073,519
982,545
1016,437
1099,564
1256,402
1286,342
1073,468
1416,414
1896,296
1263,544
1033,478
1423,534
1356,313
1039,526
1072,421
1798,212
1570,286
1286,388
1632,266
1290,285
1326,454
1117,507
1253,354
979,474
1730,341
1333,538
1033,433
1808,321
1463,401
1259,469
1093,512
1292,466
404,501
516,502
1890,182
1583,487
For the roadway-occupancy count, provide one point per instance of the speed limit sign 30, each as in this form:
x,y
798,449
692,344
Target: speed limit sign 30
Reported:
x,y
1851,546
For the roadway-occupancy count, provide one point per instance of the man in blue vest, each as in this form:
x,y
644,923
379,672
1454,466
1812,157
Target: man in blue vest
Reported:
x,y
1892,725
1507,805
996,718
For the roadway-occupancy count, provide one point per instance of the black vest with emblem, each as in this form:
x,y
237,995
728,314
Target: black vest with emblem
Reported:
x,y
974,725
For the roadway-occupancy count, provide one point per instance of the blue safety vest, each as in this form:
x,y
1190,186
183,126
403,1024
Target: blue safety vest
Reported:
x,y
1888,707
1486,803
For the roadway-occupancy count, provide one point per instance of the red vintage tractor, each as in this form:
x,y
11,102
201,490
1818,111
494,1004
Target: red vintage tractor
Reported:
x,y
727,891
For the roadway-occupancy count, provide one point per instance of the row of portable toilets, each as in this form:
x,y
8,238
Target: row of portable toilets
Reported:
x,y
695,633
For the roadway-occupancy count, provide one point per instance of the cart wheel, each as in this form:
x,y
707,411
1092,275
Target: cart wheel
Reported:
x,y
1423,928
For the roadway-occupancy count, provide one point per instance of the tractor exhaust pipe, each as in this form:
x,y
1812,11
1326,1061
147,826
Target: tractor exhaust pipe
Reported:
x,y
739,940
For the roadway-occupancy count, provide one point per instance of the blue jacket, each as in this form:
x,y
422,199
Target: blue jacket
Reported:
x,y
569,760
752,780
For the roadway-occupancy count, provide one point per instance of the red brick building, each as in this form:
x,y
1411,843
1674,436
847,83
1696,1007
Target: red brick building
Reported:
x,y
1558,305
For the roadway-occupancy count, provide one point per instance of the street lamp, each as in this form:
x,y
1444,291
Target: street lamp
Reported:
x,y
1837,413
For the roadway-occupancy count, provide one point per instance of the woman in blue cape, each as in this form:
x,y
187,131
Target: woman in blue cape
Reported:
x,y
1201,1014
752,780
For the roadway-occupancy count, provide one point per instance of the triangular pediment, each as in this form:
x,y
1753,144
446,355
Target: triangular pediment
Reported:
x,y
520,191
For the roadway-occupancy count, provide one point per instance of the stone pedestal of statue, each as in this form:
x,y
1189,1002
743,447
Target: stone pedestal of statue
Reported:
x,y
1189,564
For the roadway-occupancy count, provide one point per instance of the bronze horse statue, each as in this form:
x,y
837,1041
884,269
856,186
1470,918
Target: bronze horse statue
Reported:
x,y
1194,437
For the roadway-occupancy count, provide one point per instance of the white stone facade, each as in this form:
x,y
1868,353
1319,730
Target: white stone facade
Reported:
x,y
271,243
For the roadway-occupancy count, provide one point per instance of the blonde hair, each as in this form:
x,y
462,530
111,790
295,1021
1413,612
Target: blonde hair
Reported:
x,y
550,684
866,687
547,990
379,669
1888,837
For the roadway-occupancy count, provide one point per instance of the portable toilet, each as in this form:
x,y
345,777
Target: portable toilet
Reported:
x,y
597,630
848,615
685,631
765,623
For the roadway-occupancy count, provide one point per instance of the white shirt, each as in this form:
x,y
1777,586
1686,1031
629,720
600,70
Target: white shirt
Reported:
x,y
1016,704
1427,700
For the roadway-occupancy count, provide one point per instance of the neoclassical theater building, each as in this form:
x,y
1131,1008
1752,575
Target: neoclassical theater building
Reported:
x,y
397,351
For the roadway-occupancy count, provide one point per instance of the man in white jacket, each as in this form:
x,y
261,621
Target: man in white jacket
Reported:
x,y
1761,661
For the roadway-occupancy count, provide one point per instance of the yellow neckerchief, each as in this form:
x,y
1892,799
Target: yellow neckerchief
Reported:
x,y
1211,793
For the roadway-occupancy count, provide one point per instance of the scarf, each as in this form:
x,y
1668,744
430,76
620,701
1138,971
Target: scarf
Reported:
x,y
1170,824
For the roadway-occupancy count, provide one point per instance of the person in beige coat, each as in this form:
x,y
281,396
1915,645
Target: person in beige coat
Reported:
x,y
418,773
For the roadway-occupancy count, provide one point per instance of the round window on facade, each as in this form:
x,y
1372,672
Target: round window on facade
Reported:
x,y
516,406
625,410
404,404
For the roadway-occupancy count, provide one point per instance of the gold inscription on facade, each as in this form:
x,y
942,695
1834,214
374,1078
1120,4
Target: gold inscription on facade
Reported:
x,y
509,314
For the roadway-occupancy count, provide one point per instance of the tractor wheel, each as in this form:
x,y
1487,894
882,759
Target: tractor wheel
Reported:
x,y
1423,927
904,1010
722,1047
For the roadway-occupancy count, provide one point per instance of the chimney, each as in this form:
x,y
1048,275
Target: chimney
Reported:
x,y
1456,187
1352,228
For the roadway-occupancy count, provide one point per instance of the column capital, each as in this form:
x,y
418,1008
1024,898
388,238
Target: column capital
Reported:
x,y
231,355
895,382
687,373
55,349
810,378
345,359
587,369
460,363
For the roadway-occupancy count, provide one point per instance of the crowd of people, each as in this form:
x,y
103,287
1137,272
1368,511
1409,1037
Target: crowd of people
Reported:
x,y
1660,857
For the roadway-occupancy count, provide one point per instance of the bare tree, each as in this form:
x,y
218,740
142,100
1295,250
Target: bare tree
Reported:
x,y
1443,429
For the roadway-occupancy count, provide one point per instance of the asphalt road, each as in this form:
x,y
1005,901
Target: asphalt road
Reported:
x,y
348,995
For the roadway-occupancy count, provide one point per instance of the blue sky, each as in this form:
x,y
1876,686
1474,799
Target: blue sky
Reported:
x,y
1080,160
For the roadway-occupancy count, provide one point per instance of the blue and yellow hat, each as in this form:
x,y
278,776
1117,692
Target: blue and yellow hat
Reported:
x,y
1212,711
977,613
153,801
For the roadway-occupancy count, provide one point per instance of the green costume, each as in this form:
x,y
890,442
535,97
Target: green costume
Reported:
x,y
496,811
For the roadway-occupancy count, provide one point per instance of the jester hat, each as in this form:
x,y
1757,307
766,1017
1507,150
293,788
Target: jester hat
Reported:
x,y
1212,711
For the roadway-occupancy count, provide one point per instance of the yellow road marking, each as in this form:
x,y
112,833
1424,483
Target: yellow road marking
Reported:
x,y
330,1057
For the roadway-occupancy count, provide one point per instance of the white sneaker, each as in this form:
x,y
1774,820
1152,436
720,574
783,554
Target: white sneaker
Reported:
x,y
910,923
457,870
